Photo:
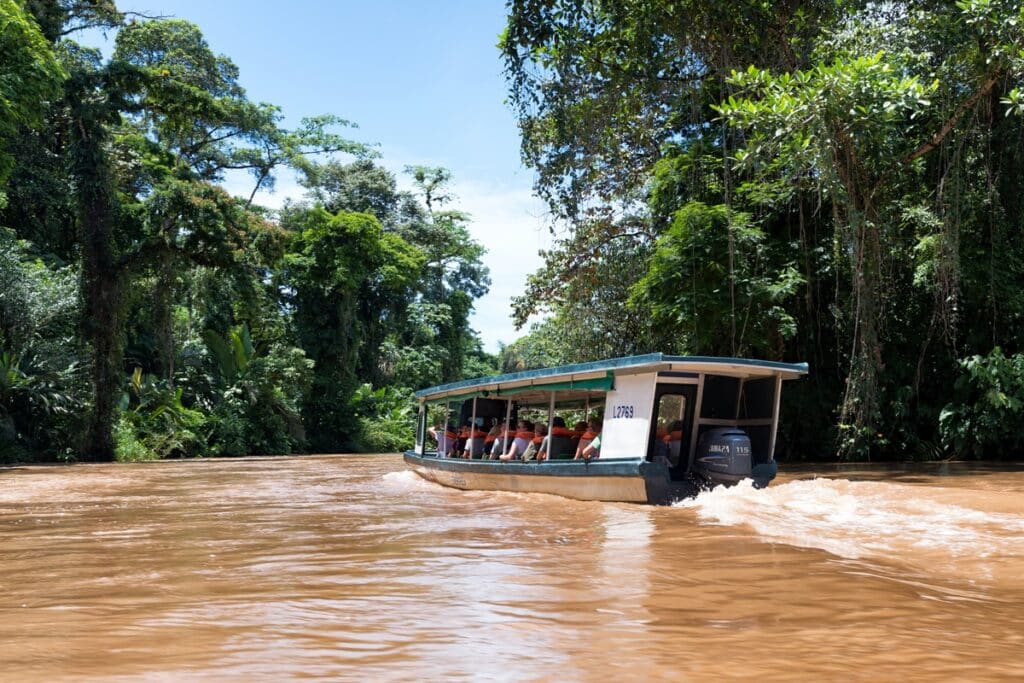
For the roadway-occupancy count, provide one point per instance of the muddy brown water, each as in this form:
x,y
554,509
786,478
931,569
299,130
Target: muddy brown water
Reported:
x,y
351,568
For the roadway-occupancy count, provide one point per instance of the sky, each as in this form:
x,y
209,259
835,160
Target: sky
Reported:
x,y
422,80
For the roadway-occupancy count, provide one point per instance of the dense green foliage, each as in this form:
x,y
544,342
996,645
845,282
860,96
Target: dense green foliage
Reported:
x,y
838,182
985,419
833,182
146,313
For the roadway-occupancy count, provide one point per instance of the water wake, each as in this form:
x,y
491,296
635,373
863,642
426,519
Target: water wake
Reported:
x,y
407,480
932,527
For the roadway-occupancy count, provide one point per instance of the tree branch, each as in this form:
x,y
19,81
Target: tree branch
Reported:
x,y
948,126
104,23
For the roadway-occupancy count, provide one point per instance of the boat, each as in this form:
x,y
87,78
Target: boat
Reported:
x,y
672,426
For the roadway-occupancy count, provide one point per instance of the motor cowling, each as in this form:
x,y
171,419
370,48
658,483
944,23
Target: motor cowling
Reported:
x,y
723,455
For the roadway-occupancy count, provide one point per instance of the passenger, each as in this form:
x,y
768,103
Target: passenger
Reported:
x,y
662,431
593,449
578,430
460,447
673,441
537,444
503,440
523,437
589,435
497,444
460,438
474,446
561,441
659,447
492,436
445,439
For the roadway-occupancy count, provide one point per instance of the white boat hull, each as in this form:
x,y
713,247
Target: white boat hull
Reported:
x,y
627,481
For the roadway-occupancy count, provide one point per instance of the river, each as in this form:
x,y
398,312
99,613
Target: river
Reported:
x,y
351,568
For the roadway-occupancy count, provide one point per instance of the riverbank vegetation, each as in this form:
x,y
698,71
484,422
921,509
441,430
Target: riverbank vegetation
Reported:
x,y
832,182
147,313
835,182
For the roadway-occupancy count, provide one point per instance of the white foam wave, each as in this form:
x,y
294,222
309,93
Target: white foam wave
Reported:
x,y
407,480
867,519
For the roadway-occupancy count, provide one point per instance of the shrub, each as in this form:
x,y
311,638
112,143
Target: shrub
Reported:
x,y
986,417
257,411
130,447
155,424
386,419
42,385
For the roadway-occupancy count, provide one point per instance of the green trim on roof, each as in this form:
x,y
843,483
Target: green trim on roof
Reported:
x,y
575,369
470,385
606,383
454,398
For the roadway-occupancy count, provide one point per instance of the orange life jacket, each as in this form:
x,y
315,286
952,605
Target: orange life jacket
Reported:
x,y
562,432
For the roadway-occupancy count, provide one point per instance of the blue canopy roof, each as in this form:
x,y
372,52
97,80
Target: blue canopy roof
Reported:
x,y
542,376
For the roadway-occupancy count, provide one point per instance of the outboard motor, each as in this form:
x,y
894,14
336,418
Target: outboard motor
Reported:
x,y
723,455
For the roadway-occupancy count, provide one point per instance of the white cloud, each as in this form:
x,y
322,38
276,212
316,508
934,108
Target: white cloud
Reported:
x,y
510,222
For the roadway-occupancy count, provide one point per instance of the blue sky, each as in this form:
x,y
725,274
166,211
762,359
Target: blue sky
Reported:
x,y
422,79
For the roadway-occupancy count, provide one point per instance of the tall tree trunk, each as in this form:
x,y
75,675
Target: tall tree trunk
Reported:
x,y
860,408
101,279
859,413
163,317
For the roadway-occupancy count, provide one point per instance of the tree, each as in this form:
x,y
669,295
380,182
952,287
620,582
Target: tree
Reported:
x,y
453,275
40,366
192,124
30,75
605,92
345,274
682,288
429,341
855,128
600,87
843,175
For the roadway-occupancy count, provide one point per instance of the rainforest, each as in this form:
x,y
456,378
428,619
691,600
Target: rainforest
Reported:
x,y
837,182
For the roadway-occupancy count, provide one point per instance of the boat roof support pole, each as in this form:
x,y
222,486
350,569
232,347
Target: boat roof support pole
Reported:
x,y
447,422
551,422
421,429
695,427
508,418
470,442
739,399
586,410
775,417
